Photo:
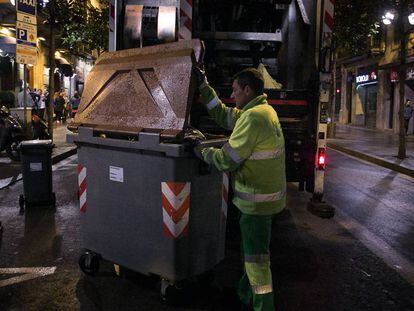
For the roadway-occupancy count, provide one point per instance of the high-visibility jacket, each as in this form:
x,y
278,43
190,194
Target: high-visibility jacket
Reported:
x,y
255,153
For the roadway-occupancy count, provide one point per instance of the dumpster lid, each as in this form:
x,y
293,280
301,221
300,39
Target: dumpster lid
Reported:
x,y
36,143
144,89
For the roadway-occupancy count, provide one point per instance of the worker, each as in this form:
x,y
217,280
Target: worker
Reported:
x,y
255,155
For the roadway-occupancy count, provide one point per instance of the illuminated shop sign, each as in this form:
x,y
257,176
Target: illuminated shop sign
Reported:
x,y
366,77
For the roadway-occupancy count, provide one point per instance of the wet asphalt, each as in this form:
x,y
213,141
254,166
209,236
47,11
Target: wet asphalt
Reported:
x,y
317,264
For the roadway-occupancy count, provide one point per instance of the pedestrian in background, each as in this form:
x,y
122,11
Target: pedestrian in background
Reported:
x,y
65,112
29,99
410,128
408,113
59,106
74,104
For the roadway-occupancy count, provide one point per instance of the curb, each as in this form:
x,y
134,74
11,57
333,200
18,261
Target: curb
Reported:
x,y
373,159
55,159
59,157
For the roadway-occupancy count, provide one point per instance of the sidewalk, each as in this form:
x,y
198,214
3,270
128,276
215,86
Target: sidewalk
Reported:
x,y
62,149
379,147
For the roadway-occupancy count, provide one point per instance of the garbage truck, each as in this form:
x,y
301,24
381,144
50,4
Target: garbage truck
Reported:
x,y
288,40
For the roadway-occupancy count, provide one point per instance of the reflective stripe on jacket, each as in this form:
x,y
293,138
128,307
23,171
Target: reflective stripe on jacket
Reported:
x,y
255,153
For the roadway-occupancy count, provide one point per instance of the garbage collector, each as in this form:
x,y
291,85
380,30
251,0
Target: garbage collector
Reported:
x,y
256,157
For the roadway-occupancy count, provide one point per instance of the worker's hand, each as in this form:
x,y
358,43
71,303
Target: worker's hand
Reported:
x,y
207,154
200,76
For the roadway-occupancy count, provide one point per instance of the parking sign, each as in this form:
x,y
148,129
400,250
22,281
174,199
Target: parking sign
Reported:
x,y
26,32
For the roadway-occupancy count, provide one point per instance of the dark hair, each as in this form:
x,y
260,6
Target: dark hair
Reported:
x,y
251,77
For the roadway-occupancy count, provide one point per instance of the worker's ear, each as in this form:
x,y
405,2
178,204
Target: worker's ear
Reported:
x,y
247,90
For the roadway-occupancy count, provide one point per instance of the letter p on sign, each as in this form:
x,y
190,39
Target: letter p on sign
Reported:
x,y
22,34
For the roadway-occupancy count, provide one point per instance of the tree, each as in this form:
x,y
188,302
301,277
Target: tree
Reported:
x,y
86,28
355,22
97,30
77,26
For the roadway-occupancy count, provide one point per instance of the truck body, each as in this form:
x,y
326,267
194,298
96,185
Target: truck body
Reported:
x,y
289,38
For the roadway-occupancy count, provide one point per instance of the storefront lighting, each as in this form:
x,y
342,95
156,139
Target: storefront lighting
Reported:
x,y
5,31
411,19
41,38
364,84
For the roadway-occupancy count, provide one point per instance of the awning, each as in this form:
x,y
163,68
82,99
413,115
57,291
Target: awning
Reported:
x,y
64,66
8,45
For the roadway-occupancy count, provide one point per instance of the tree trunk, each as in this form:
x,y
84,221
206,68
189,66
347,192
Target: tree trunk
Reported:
x,y
51,67
402,73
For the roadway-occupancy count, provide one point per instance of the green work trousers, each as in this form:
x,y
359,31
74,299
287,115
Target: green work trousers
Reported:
x,y
256,282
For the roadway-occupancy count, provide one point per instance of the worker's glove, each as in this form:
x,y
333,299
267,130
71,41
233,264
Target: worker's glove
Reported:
x,y
200,76
207,154
203,153
198,152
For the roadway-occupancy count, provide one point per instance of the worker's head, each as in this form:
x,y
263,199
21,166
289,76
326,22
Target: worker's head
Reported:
x,y
247,84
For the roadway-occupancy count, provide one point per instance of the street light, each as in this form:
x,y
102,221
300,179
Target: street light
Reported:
x,y
411,19
389,16
386,21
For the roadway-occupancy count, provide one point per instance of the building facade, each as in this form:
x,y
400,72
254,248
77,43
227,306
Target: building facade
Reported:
x,y
70,71
368,85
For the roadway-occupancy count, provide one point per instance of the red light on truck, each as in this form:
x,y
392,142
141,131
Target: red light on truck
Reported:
x,y
321,158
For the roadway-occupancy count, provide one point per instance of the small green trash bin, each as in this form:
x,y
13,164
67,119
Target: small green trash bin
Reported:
x,y
36,159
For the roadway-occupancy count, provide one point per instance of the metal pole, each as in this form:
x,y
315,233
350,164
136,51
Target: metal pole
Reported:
x,y
24,97
13,76
52,67
402,72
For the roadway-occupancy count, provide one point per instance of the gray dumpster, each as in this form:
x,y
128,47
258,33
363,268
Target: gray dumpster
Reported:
x,y
146,202
36,159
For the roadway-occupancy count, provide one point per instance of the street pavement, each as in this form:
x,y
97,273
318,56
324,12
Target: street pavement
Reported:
x,y
359,260
378,147
317,264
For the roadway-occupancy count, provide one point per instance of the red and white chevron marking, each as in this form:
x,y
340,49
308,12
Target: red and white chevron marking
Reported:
x,y
225,194
82,187
328,20
175,208
186,19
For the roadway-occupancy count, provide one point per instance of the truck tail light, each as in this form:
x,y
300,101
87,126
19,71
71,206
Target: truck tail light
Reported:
x,y
321,158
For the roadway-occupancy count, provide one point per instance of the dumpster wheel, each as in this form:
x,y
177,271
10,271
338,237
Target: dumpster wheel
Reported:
x,y
89,263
